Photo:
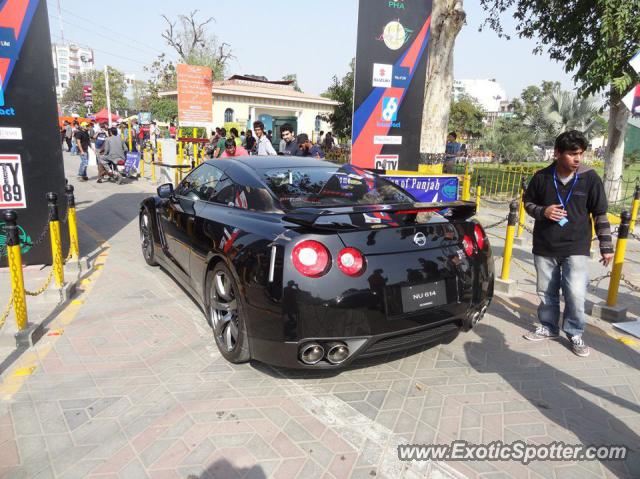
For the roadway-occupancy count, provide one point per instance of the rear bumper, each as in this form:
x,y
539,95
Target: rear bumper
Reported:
x,y
286,353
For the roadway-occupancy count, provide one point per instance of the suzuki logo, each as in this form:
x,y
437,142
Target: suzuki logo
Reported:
x,y
420,239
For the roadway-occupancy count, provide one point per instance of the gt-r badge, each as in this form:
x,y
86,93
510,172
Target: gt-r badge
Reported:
x,y
420,239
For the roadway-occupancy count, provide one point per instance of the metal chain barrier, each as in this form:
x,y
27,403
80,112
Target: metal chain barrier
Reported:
x,y
498,203
43,288
630,285
493,225
43,235
595,282
5,313
527,228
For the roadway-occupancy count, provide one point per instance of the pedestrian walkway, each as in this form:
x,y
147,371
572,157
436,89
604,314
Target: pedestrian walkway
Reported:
x,y
132,386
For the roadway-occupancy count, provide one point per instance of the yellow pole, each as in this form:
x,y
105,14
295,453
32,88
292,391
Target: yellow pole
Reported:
x,y
618,258
521,212
129,135
501,183
74,246
56,244
508,246
153,171
142,161
634,209
478,193
195,146
14,259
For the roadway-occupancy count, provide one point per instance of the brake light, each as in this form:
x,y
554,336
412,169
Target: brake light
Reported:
x,y
467,244
481,239
311,258
351,262
120,162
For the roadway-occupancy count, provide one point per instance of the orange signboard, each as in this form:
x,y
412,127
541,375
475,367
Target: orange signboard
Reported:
x,y
195,100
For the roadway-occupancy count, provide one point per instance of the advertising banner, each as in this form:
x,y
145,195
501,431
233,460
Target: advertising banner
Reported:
x,y
390,78
632,101
132,161
428,189
195,100
30,150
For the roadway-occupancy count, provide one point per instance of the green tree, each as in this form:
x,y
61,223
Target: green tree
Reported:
x,y
73,98
510,140
467,117
164,109
342,90
294,78
595,39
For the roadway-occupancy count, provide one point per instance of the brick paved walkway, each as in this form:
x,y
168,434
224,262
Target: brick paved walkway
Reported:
x,y
134,387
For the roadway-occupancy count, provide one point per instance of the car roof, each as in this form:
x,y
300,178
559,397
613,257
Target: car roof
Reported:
x,y
268,162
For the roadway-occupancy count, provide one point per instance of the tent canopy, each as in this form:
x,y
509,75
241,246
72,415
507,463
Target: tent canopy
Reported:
x,y
102,115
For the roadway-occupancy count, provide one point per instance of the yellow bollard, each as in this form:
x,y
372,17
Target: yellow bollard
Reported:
x,y
56,244
508,246
618,259
14,258
478,193
466,183
634,209
153,171
142,166
74,246
195,147
522,218
129,135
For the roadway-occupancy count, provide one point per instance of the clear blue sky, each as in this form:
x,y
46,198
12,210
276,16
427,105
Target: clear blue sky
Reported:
x,y
314,38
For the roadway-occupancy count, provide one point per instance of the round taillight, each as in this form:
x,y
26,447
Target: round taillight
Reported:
x,y
120,162
311,258
351,262
478,232
467,244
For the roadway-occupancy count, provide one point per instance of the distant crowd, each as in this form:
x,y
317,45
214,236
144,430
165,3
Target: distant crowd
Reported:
x,y
259,142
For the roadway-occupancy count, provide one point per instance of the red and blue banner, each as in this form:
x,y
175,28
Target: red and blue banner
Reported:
x,y
390,78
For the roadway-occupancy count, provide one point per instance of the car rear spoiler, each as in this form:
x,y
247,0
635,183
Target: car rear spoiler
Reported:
x,y
453,211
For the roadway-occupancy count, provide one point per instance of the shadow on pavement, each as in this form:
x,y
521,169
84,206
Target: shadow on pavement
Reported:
x,y
111,214
223,468
551,393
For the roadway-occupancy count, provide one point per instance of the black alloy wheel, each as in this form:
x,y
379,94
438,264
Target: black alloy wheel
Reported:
x,y
226,315
146,238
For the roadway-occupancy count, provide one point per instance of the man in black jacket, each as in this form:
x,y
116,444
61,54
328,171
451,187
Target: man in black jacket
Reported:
x,y
564,198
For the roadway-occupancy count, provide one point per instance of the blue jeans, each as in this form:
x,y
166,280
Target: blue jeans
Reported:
x,y
569,273
84,162
74,147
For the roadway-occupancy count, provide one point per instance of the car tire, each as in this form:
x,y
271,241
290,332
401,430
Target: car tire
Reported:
x,y
146,238
226,315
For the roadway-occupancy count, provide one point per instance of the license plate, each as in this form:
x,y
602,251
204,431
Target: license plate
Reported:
x,y
423,296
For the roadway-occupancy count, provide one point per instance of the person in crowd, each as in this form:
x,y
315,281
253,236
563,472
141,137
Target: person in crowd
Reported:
x,y
236,136
67,135
288,137
320,138
270,135
99,140
172,130
306,148
83,143
115,149
328,142
263,144
250,142
231,149
562,198
282,144
451,152
243,137
74,146
222,138
154,133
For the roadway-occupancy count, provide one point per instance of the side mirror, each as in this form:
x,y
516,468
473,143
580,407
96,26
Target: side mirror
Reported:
x,y
165,191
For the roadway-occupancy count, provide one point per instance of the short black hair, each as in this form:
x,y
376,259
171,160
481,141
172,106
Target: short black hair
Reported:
x,y
234,131
223,132
571,141
453,134
321,132
114,131
229,142
258,124
286,127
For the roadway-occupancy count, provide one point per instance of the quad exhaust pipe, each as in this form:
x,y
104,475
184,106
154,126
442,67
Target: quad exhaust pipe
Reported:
x,y
335,352
311,353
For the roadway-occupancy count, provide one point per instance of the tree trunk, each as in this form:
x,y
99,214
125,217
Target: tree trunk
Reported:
x,y
447,19
614,158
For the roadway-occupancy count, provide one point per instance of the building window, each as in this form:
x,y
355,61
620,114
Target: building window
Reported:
x,y
228,115
318,122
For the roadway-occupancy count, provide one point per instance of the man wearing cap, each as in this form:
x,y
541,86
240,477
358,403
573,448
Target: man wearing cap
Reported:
x,y
83,142
306,148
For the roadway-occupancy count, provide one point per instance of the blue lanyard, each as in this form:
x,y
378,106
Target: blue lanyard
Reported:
x,y
555,183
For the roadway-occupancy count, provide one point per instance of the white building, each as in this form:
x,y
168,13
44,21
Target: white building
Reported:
x,y
489,93
241,100
70,59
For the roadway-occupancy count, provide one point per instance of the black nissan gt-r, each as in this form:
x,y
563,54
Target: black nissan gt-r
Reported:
x,y
303,263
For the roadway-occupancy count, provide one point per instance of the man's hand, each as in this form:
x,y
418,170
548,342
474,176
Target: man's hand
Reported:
x,y
555,212
606,259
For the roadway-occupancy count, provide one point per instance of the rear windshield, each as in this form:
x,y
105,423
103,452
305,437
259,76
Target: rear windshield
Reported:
x,y
299,187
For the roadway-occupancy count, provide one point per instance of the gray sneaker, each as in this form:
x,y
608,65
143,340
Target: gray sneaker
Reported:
x,y
578,346
541,333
